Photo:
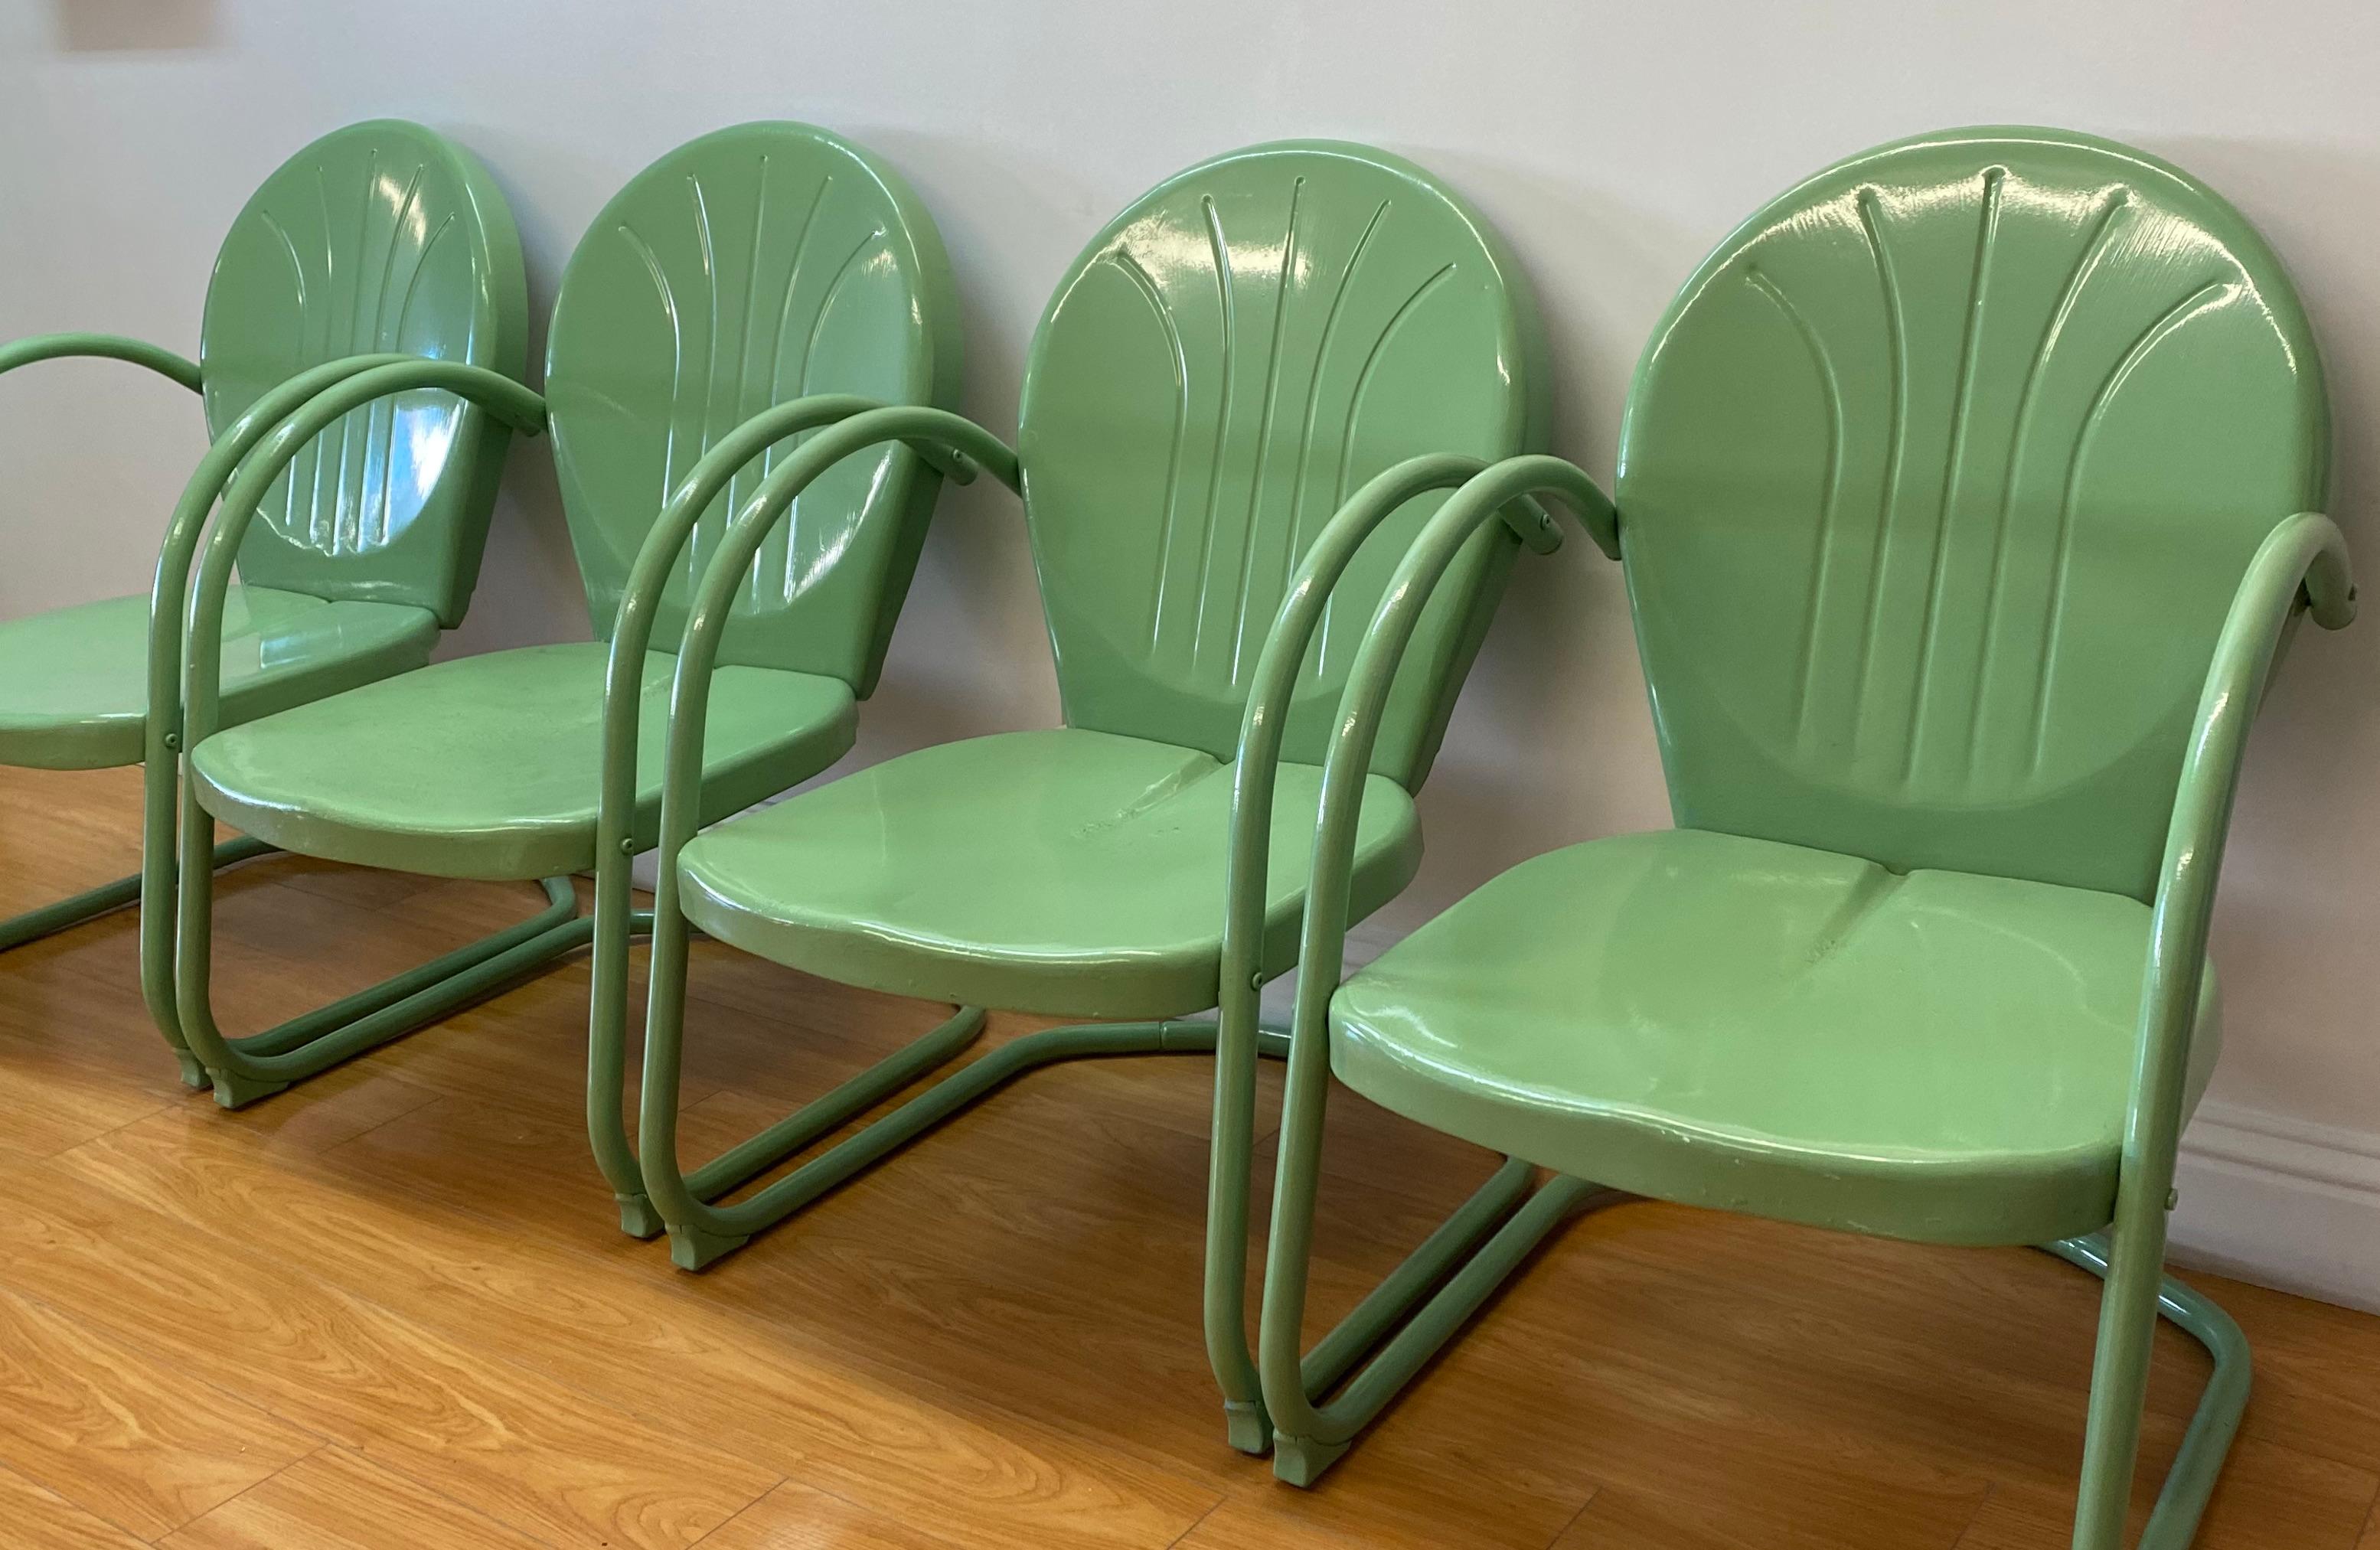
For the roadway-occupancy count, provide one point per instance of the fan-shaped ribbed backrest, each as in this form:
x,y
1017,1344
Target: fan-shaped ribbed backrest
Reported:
x,y
745,268
1231,358
381,237
1936,483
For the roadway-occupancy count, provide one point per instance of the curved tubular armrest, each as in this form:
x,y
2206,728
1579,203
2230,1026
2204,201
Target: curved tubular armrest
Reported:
x,y
515,406
168,595
714,595
1233,1128
632,627
2301,563
616,843
859,422
690,697
1252,798
862,422
1520,479
1480,500
100,346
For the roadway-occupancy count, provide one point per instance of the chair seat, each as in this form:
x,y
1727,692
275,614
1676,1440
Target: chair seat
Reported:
x,y
74,681
1070,873
491,766
1734,1023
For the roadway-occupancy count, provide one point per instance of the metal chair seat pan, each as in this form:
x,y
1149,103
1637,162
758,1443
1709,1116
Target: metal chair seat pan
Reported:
x,y
74,681
1066,872
1739,1024
487,766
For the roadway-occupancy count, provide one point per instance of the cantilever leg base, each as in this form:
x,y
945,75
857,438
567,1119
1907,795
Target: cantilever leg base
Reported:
x,y
1302,1460
1422,1305
51,919
722,1228
245,1070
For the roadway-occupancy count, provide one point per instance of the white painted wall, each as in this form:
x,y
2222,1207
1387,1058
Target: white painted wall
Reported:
x,y
1612,142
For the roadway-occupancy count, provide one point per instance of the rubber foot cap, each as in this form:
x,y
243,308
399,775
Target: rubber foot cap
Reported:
x,y
1302,1462
638,1217
693,1249
1248,1427
233,1091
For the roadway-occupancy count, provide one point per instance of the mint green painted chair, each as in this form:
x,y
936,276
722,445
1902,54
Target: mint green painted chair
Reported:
x,y
1237,357
1966,496
381,242
747,289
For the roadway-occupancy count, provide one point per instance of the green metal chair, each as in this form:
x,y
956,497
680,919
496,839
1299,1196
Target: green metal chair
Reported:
x,y
381,242
1237,352
1966,496
752,285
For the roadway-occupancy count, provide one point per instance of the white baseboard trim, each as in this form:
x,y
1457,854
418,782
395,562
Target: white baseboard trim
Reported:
x,y
2281,1202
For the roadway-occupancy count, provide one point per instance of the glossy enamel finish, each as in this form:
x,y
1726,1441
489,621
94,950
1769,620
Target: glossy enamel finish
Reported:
x,y
1845,1035
527,762
1739,1024
1222,368
75,694
1934,483
495,776
1096,866
750,268
381,237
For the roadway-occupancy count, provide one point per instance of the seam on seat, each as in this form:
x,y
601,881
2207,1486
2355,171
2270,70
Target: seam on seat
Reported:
x,y
1158,793
1867,897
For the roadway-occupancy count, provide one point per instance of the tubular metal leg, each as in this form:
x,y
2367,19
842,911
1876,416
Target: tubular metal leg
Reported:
x,y
2137,1293
1406,1319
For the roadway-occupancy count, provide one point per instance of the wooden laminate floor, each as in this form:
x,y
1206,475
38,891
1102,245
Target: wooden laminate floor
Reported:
x,y
391,1308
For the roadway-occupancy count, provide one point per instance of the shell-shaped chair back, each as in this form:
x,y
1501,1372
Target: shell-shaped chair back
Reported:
x,y
746,267
1936,483
1224,364
380,237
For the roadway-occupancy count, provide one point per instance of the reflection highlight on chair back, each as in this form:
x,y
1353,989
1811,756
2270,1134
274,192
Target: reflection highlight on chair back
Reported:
x,y
382,238
698,301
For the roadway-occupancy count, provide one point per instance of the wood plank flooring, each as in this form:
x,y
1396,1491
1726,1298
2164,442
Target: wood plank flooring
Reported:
x,y
391,1308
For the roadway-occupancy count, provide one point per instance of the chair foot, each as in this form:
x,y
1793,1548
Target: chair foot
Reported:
x,y
194,1071
1247,1426
638,1217
235,1091
1301,1460
691,1248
